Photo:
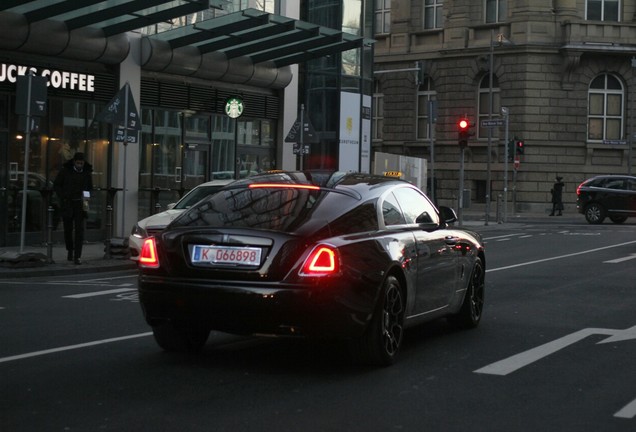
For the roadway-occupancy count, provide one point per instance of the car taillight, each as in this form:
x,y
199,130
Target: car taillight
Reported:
x,y
322,261
578,189
148,257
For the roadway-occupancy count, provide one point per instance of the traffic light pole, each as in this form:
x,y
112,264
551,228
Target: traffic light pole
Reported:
x,y
504,112
490,104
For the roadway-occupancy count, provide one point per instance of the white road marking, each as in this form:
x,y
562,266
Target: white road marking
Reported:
x,y
620,260
526,236
501,236
559,257
112,278
98,293
72,347
517,361
628,411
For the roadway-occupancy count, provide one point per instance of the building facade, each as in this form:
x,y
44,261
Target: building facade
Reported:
x,y
182,61
564,72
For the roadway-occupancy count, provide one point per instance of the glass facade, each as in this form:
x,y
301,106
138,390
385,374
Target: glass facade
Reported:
x,y
345,77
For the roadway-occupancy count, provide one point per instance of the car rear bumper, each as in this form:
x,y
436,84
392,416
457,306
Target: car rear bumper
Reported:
x,y
316,311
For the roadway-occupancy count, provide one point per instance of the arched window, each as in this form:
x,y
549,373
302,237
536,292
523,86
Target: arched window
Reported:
x,y
484,104
425,94
605,108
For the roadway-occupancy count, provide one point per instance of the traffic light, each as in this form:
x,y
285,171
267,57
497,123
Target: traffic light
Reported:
x,y
519,145
463,129
511,149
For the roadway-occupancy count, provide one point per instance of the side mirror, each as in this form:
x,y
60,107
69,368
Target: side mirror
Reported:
x,y
447,215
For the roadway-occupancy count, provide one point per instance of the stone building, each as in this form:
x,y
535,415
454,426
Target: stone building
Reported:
x,y
563,69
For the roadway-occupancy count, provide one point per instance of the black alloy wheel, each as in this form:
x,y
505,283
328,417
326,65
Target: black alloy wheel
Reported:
x,y
594,213
472,308
382,340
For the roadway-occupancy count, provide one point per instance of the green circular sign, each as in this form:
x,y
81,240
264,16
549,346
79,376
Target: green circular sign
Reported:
x,y
234,107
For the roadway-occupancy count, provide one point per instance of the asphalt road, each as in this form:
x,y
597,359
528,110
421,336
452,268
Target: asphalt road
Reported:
x,y
555,352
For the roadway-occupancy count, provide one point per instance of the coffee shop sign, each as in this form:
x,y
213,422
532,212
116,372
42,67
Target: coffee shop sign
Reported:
x,y
56,79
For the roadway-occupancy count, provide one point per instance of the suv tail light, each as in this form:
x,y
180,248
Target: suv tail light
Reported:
x,y
322,261
578,189
148,257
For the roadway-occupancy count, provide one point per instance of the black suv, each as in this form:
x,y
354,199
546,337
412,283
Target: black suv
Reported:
x,y
612,196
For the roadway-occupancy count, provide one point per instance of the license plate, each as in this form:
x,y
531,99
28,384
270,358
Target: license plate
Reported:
x,y
226,255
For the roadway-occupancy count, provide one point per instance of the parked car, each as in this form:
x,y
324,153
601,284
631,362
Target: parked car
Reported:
x,y
326,255
157,222
612,196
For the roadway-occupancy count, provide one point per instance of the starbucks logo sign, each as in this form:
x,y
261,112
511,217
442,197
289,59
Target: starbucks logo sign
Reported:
x,y
234,107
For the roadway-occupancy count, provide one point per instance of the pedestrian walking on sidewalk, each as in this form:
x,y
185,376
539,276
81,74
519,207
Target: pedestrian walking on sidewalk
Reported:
x,y
557,196
73,185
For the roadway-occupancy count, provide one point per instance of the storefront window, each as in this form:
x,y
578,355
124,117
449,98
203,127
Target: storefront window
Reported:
x,y
222,147
167,151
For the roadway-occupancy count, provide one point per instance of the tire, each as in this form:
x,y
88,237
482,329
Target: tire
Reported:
x,y
182,337
594,213
618,219
383,337
471,311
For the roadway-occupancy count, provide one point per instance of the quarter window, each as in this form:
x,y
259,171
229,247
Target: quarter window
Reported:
x,y
605,109
603,10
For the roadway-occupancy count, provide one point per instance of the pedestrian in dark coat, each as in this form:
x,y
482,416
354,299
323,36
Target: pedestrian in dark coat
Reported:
x,y
557,196
71,185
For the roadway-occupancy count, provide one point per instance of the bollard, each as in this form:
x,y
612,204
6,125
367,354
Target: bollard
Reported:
x,y
157,208
49,235
109,230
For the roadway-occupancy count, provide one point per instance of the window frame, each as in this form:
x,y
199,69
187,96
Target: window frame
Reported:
x,y
424,91
604,117
619,7
500,11
434,10
382,16
377,112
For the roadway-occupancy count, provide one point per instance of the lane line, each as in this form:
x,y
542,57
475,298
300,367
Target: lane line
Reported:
x,y
517,361
559,257
628,411
72,347
620,260
112,278
98,293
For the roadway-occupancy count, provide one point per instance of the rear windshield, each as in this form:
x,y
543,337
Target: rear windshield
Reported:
x,y
282,209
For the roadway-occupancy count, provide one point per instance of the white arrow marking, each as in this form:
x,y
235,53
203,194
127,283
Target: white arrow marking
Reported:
x,y
619,260
628,411
621,335
515,362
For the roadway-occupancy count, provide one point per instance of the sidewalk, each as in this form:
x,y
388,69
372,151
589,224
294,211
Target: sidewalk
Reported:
x,y
12,263
94,260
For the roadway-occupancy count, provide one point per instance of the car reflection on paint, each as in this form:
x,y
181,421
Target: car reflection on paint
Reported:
x,y
314,254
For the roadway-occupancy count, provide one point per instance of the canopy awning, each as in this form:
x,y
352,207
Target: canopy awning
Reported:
x,y
248,46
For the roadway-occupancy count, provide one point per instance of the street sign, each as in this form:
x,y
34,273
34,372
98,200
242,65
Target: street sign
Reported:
x,y
305,149
517,162
309,133
114,114
491,123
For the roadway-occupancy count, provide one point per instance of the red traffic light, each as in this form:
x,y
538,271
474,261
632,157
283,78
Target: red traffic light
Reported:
x,y
463,125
